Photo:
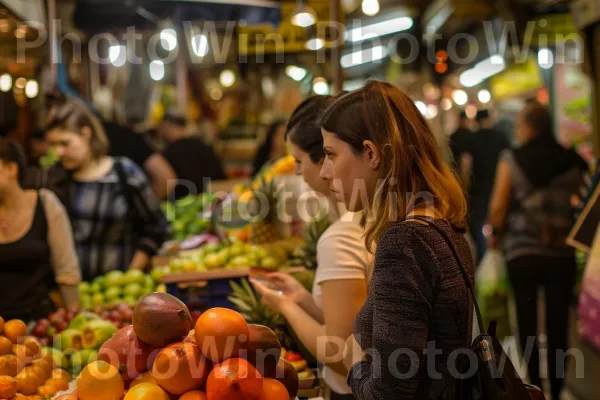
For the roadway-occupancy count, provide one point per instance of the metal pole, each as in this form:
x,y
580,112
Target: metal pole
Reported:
x,y
53,42
336,66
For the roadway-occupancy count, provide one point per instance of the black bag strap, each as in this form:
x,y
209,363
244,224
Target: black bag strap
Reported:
x,y
465,275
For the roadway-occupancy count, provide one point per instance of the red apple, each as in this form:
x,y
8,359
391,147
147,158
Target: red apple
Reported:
x,y
40,330
61,326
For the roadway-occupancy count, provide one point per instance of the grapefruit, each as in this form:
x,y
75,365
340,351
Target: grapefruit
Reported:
x,y
221,333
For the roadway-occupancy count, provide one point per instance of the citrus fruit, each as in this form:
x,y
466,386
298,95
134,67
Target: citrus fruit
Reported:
x,y
146,391
100,381
221,333
8,387
14,329
194,395
179,368
234,379
275,390
1,325
5,346
146,377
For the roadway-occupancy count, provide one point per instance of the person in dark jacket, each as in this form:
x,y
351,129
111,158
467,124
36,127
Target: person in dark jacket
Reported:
x,y
195,162
531,211
382,158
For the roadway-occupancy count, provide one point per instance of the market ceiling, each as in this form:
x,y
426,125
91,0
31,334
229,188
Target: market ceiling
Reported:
x,y
106,15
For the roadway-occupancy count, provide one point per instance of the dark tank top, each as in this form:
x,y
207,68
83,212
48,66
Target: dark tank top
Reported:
x,y
26,275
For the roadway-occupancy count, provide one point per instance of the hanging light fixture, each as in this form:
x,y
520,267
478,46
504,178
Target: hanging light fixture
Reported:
x,y
303,16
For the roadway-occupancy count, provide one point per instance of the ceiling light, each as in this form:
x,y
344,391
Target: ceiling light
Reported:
x,y
20,83
363,56
296,73
32,88
421,106
370,7
482,71
545,58
315,44
157,70
484,96
200,45
5,82
168,39
446,104
303,16
431,112
117,55
320,86
227,78
379,29
460,97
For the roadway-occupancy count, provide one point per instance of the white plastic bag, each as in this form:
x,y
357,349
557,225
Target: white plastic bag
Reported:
x,y
493,292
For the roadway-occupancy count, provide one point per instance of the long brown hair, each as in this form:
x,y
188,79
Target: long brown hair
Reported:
x,y
72,115
412,173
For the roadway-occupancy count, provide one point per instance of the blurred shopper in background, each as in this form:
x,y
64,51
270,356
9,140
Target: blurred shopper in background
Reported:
x,y
485,149
375,138
460,141
36,244
531,211
194,161
117,220
273,148
124,142
344,264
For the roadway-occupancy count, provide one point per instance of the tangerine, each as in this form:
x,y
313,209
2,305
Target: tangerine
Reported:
x,y
67,396
32,345
19,396
5,345
45,366
146,377
194,395
275,390
179,368
28,381
46,391
57,383
61,374
10,365
100,381
1,325
14,329
8,387
221,333
234,379
146,391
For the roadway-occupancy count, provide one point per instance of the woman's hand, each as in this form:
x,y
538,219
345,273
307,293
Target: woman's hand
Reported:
x,y
289,286
274,299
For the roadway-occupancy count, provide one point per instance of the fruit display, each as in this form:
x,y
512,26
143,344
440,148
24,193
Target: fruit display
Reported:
x,y
306,255
27,371
190,215
114,288
164,356
265,229
284,166
270,256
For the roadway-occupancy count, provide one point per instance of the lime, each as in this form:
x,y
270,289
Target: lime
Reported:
x,y
213,261
84,288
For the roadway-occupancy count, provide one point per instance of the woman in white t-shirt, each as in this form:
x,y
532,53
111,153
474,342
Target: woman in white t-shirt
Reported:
x,y
324,320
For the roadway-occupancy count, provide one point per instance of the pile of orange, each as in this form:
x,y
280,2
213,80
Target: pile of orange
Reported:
x,y
26,373
209,363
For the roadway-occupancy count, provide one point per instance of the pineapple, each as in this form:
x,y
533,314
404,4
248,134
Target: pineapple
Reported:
x,y
254,312
307,255
266,230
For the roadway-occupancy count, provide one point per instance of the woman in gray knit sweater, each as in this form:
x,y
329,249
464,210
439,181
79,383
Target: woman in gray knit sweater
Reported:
x,y
382,158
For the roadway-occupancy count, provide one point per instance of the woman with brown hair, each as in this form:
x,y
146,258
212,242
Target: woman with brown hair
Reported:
x,y
382,158
116,218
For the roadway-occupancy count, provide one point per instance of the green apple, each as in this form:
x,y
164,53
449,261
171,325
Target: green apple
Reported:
x,y
236,250
157,273
85,301
97,299
112,293
84,288
96,288
133,290
129,300
134,276
114,279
